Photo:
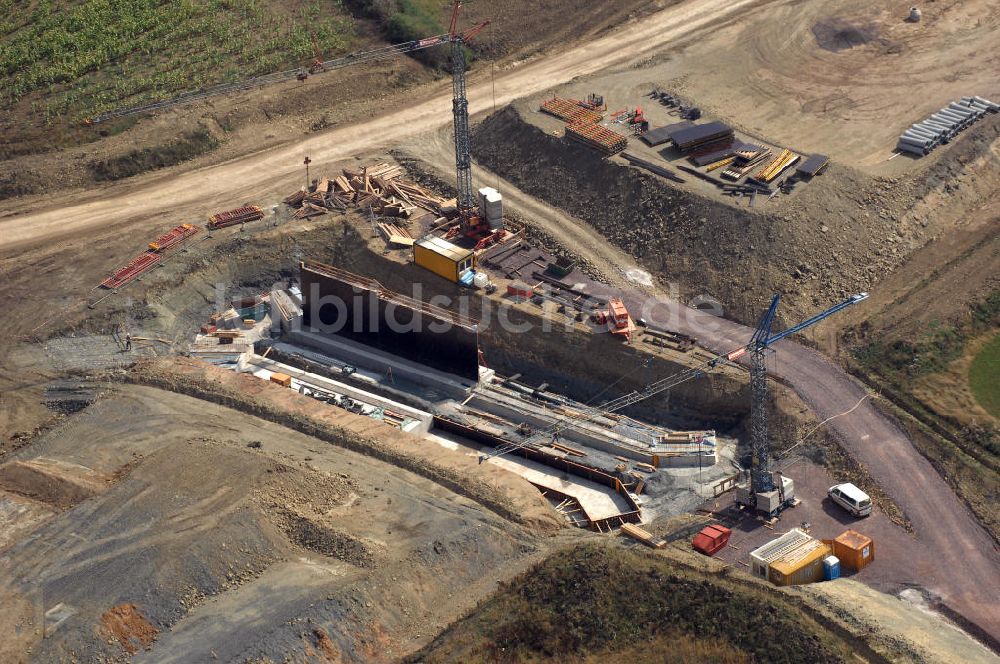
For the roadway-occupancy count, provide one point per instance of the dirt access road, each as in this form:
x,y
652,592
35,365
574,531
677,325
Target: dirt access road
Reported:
x,y
135,205
967,573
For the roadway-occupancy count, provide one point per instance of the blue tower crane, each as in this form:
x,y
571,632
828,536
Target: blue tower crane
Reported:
x,y
763,493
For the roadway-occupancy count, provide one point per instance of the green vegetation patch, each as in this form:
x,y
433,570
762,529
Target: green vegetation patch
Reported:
x,y
77,59
598,599
935,349
411,20
984,377
147,159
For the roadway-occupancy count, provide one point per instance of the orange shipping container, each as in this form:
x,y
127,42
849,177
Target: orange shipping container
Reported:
x,y
854,550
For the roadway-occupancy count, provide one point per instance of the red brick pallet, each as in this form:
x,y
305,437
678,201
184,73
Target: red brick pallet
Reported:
x,y
571,111
237,216
166,242
597,136
133,269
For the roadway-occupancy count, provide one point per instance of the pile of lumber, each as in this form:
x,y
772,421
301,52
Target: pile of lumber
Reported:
x,y
745,161
643,536
394,234
379,187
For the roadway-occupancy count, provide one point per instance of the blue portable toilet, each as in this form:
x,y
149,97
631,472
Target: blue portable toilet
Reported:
x,y
831,568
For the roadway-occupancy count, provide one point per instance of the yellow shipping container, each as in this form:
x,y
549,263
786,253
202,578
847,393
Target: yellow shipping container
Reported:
x,y
801,565
442,257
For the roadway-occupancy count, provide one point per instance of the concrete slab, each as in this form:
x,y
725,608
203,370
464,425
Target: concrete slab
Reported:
x,y
597,501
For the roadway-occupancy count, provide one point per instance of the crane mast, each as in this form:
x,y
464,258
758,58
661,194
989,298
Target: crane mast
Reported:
x,y
460,111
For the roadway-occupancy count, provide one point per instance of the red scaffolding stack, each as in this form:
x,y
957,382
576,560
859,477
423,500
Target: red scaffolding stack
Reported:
x,y
166,242
238,216
132,269
597,136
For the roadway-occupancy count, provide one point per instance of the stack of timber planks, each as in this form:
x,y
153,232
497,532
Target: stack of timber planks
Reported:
x,y
571,111
379,187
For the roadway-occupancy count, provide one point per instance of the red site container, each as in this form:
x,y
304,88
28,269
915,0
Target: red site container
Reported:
x,y
711,539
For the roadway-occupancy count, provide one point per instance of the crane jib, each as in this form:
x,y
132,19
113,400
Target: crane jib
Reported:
x,y
670,381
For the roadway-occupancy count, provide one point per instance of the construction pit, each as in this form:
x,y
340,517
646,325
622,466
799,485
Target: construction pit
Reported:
x,y
405,414
600,469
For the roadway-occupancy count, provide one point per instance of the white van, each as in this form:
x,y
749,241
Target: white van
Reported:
x,y
851,498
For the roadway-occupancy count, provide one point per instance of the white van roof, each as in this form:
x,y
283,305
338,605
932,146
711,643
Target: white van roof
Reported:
x,y
853,492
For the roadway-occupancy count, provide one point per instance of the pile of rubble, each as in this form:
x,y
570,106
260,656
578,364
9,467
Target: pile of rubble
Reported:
x,y
379,187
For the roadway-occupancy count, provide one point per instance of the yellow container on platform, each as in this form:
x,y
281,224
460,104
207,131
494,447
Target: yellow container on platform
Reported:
x,y
442,257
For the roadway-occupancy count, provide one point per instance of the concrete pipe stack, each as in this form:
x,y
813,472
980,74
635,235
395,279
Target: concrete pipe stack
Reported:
x,y
941,127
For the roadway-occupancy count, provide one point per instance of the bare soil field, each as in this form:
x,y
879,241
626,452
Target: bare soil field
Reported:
x,y
842,80
195,533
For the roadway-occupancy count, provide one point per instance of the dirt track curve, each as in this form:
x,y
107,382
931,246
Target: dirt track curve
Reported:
x,y
967,576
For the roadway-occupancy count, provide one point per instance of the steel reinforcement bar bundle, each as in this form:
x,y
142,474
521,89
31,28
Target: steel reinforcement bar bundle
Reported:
x,y
944,125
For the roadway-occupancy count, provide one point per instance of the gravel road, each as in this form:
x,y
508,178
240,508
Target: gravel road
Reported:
x,y
968,574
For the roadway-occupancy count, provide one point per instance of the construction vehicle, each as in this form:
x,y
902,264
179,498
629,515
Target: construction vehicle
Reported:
x,y
616,318
595,102
762,483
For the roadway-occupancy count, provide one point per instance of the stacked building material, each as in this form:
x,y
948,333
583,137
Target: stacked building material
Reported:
x,y
777,165
571,111
746,159
175,237
597,136
813,165
714,152
147,260
688,139
379,187
240,215
661,135
491,206
134,268
941,127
